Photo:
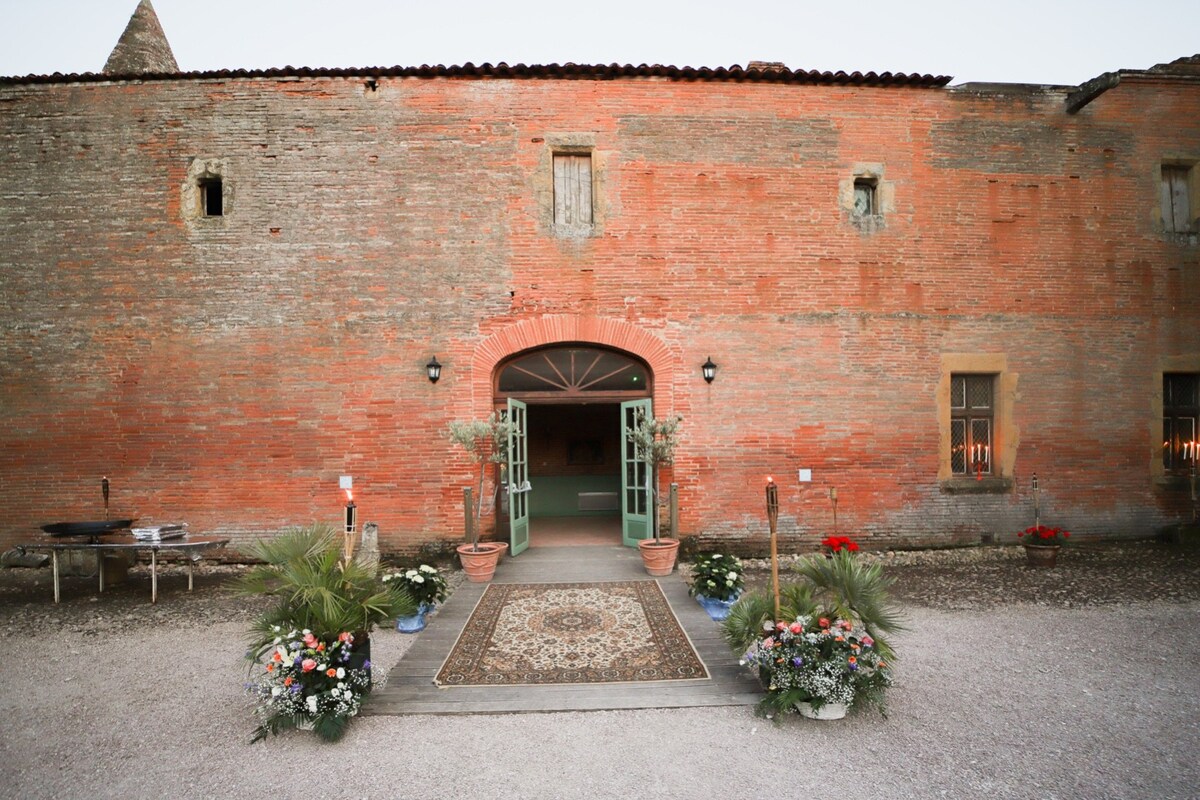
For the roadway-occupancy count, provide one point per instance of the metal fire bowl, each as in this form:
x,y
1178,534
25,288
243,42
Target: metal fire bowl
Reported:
x,y
87,528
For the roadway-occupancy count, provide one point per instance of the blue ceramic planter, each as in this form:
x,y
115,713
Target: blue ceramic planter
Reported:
x,y
717,609
414,623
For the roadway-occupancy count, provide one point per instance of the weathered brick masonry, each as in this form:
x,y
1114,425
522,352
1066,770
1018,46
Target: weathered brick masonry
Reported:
x,y
225,371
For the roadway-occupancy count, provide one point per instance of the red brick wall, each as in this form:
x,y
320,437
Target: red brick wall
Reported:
x,y
227,374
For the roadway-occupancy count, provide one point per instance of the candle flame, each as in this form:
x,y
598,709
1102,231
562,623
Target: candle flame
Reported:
x,y
349,496
770,479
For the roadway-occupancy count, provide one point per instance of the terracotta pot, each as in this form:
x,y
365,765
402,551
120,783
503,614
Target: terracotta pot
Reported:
x,y
1042,555
480,565
659,558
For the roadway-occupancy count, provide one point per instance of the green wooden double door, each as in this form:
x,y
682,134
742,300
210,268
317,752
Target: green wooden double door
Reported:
x,y
636,497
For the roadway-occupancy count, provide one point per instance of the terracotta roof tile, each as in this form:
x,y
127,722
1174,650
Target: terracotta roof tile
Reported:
x,y
535,71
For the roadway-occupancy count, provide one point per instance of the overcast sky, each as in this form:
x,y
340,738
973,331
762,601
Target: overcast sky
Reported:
x,y
1018,41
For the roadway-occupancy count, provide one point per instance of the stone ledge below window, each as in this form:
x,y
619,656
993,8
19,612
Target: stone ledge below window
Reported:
x,y
575,230
991,484
1174,483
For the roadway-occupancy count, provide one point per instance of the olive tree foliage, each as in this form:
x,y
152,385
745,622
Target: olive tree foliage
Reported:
x,y
485,442
654,442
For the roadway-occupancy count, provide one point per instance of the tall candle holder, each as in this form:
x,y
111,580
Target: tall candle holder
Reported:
x,y
1036,509
980,456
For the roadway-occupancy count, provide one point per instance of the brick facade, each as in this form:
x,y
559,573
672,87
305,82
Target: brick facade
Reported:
x,y
226,370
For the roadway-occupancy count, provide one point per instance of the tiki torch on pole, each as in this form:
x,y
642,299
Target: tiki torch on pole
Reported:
x,y
1037,511
1195,457
351,524
773,521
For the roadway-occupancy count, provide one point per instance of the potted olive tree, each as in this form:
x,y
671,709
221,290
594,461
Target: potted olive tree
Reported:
x,y
486,442
654,442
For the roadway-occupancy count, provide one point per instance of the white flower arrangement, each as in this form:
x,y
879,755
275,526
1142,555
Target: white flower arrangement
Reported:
x,y
425,584
717,576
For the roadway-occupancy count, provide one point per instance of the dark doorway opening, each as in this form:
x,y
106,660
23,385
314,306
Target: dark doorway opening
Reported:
x,y
575,470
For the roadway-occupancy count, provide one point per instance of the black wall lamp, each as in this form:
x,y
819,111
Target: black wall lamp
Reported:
x,y
709,370
434,369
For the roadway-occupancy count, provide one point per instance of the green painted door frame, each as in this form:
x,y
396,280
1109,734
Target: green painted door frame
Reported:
x,y
518,478
635,495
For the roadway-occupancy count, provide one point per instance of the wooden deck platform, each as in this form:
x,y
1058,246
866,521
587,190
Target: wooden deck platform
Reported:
x,y
410,688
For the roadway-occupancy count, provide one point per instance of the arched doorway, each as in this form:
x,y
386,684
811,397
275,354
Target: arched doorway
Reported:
x,y
570,479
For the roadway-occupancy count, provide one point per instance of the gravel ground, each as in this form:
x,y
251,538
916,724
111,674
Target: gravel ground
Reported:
x,y
1012,683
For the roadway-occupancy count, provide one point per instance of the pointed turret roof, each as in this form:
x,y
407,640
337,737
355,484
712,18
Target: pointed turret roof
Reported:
x,y
142,47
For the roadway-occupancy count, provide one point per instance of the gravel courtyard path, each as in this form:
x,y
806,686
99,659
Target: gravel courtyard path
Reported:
x,y
1079,682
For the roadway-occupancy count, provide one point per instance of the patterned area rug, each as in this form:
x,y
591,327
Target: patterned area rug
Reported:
x,y
556,633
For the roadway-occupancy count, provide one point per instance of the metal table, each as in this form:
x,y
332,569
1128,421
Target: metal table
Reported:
x,y
191,546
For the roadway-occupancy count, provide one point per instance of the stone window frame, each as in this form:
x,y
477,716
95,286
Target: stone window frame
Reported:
x,y
201,171
1189,362
885,196
1005,434
554,144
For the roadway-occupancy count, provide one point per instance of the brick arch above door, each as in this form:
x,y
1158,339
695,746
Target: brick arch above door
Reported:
x,y
563,328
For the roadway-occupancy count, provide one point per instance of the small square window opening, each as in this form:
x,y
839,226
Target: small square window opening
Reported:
x,y
212,202
865,201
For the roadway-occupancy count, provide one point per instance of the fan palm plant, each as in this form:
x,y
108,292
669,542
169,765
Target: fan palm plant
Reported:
x,y
824,645
847,587
326,604
317,588
841,586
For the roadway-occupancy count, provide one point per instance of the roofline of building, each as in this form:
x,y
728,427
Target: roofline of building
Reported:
x,y
735,73
1183,70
